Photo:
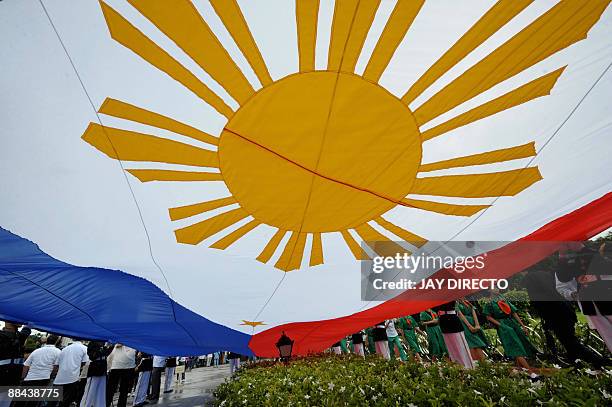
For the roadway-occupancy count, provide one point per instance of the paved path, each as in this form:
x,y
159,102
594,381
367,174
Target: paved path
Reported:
x,y
197,389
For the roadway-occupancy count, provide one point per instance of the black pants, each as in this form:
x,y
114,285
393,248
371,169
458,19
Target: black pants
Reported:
x,y
123,378
565,331
71,393
38,383
156,382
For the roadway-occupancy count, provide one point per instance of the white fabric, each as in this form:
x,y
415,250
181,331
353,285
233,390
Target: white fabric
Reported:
x,y
382,349
169,379
358,349
458,349
41,362
141,387
566,289
122,357
159,361
69,362
337,350
391,331
95,392
44,159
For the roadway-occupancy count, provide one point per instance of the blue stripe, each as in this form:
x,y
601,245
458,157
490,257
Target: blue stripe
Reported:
x,y
96,303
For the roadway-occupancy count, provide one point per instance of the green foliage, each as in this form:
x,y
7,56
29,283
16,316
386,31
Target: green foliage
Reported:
x,y
352,381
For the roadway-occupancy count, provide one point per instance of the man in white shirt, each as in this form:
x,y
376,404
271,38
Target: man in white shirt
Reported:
x,y
69,363
159,364
39,365
122,364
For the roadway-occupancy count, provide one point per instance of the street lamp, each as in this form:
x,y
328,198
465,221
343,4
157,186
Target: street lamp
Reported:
x,y
285,347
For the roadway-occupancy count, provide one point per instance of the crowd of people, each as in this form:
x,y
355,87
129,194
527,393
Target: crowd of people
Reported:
x,y
90,373
581,279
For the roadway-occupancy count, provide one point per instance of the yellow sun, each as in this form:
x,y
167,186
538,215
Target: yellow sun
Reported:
x,y
329,151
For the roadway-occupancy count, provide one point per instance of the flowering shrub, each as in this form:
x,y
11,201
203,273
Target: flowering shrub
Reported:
x,y
350,380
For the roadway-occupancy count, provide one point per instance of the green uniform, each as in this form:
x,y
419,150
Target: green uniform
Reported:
x,y
370,341
512,337
407,325
437,347
343,346
474,339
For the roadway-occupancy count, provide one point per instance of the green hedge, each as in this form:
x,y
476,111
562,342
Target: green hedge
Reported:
x,y
350,380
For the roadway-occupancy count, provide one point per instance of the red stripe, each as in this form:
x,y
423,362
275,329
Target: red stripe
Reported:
x,y
315,336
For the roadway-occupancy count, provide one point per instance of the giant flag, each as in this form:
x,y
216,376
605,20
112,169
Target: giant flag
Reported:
x,y
188,176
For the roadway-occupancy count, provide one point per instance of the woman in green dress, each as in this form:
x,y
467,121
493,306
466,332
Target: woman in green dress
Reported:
x,y
510,328
474,334
408,328
437,347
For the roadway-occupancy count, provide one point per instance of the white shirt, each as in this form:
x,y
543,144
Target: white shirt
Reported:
x,y
122,357
69,362
41,362
159,361
391,331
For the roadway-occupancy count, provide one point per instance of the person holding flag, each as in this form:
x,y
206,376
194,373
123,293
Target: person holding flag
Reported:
x,y
408,329
510,328
437,347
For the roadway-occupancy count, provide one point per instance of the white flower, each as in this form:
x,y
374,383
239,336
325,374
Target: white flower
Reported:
x,y
306,396
502,398
556,366
591,372
330,386
477,392
605,394
362,391
537,384
342,389
411,405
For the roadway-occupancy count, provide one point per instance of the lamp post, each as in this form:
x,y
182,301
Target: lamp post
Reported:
x,y
285,347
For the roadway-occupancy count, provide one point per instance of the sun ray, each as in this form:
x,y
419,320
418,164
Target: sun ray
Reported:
x,y
344,12
129,36
443,208
182,23
404,234
197,232
364,16
316,251
182,212
271,247
499,15
353,246
396,28
228,240
489,157
505,183
378,242
146,175
128,145
123,110
307,13
230,14
253,324
532,90
561,26
291,258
